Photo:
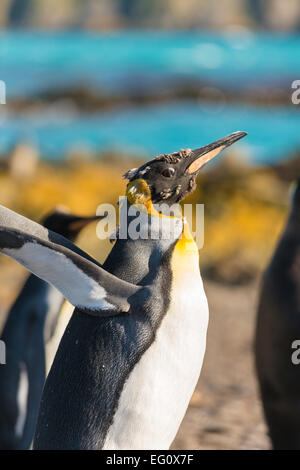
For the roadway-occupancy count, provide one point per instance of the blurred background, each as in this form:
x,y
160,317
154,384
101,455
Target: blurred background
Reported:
x,y
94,87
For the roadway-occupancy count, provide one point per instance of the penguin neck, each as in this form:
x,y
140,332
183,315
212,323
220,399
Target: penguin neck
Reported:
x,y
142,241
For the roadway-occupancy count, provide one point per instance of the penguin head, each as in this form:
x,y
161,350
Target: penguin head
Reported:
x,y
62,221
170,178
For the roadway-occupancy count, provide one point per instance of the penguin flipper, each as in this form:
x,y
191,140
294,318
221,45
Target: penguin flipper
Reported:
x,y
12,220
82,282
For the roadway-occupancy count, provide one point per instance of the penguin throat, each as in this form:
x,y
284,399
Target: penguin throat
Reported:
x,y
138,193
154,221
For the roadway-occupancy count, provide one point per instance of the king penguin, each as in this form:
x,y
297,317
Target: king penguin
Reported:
x,y
131,355
278,326
31,325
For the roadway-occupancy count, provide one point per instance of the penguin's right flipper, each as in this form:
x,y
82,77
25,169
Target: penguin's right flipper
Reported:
x,y
83,283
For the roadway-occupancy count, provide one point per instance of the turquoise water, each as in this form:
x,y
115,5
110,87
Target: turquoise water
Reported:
x,y
273,133
32,62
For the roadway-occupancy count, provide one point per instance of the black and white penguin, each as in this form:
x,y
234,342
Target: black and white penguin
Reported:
x,y
31,325
278,326
131,355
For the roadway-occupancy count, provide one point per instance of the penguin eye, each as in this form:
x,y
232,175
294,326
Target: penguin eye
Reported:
x,y
168,172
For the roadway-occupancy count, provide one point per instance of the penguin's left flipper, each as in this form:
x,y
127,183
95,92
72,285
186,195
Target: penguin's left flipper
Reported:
x,y
83,283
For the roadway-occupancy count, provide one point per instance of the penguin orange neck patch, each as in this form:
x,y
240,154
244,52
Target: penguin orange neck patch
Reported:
x,y
186,242
138,193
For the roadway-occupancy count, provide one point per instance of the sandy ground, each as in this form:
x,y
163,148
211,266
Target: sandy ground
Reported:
x,y
225,410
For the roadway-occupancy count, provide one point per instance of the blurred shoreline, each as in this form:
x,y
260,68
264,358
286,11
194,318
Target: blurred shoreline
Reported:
x,y
147,92
89,100
58,131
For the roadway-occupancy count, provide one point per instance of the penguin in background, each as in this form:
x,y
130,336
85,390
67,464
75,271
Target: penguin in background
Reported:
x,y
31,325
131,355
277,327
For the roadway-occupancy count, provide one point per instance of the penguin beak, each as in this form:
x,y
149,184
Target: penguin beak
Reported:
x,y
203,155
80,222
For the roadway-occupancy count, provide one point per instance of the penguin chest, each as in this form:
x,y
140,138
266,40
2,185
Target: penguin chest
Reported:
x,y
158,390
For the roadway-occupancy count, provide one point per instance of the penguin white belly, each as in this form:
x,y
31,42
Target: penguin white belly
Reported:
x,y
157,392
51,346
